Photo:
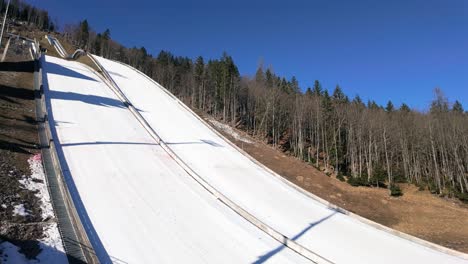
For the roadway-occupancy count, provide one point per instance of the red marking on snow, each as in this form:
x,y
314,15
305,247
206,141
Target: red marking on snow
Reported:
x,y
37,157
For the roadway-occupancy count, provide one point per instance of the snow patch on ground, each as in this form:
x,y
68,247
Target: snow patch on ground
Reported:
x,y
51,243
228,129
20,210
37,183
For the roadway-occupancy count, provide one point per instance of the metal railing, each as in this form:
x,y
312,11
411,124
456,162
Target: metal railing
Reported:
x,y
74,238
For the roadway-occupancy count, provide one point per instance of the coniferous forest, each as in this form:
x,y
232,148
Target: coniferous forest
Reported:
x,y
362,143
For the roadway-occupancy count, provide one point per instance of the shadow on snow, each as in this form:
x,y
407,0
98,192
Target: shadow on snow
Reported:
x,y
57,69
265,257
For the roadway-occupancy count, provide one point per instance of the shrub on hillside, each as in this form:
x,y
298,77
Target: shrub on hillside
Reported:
x,y
462,196
395,190
358,181
340,177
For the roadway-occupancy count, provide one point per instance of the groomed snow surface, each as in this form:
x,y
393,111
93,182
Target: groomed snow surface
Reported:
x,y
138,205
333,235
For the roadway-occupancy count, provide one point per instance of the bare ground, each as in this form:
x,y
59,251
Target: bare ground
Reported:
x,y
418,213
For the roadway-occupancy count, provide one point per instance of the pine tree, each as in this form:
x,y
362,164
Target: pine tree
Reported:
x,y
284,85
269,78
326,103
371,104
389,108
259,76
405,108
338,94
295,85
84,33
96,48
457,107
317,89
358,101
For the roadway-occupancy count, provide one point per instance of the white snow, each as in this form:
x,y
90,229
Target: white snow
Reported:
x,y
142,205
228,129
18,209
333,235
37,182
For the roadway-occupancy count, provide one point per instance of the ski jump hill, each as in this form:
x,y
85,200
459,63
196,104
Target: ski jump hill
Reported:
x,y
151,182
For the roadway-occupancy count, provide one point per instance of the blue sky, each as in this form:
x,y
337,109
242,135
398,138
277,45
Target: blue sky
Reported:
x,y
395,50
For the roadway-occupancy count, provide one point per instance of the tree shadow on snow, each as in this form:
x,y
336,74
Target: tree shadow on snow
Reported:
x,y
53,68
85,98
20,249
265,257
57,69
105,143
117,74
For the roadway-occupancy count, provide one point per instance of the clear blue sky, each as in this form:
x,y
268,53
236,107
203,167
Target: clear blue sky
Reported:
x,y
397,50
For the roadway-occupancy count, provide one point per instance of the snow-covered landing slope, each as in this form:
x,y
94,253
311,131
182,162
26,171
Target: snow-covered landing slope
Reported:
x,y
332,235
142,207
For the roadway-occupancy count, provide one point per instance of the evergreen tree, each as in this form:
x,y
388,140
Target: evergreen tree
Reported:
x,y
326,104
269,78
96,48
199,68
259,76
389,108
338,94
457,107
84,33
317,89
295,85
358,101
405,108
284,85
372,105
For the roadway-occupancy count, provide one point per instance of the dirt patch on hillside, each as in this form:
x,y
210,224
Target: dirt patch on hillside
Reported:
x,y
21,222
418,213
